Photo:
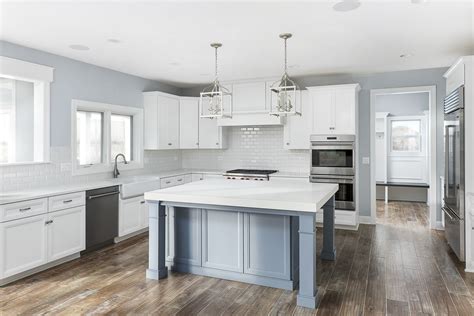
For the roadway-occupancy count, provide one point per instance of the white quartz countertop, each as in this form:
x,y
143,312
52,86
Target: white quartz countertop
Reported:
x,y
288,195
45,191
52,190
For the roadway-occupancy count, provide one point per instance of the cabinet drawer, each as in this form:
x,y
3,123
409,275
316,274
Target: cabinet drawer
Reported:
x,y
167,182
61,202
23,209
172,181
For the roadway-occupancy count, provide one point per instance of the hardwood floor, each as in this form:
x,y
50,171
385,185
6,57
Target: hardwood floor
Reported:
x,y
397,267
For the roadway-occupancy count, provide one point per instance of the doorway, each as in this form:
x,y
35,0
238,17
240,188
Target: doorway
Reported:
x,y
403,147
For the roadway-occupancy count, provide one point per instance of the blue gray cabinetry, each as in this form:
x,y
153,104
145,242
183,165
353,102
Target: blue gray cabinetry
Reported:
x,y
230,245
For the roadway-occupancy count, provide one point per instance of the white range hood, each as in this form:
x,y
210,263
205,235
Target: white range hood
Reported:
x,y
250,119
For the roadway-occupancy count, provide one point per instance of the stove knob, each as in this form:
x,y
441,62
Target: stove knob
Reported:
x,y
247,178
228,177
261,179
242,178
233,178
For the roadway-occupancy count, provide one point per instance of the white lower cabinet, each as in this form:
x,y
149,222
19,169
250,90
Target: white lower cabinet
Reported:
x,y
30,242
66,232
133,215
23,245
129,216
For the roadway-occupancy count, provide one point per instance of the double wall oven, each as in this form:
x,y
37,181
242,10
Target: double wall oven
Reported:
x,y
333,161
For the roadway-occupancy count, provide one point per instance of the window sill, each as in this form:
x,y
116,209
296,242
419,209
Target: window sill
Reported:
x,y
105,168
13,164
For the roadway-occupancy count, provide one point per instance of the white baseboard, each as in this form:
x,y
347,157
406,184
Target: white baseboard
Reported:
x,y
366,220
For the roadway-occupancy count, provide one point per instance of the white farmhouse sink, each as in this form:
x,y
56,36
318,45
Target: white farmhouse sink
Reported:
x,y
136,186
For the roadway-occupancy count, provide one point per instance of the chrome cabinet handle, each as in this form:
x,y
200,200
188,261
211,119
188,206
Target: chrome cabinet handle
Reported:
x,y
25,209
168,182
179,180
48,222
67,201
142,202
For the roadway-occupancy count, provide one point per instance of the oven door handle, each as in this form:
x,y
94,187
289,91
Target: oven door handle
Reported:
x,y
332,147
332,180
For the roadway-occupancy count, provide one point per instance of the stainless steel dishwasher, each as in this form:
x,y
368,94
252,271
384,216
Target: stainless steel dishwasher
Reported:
x,y
102,206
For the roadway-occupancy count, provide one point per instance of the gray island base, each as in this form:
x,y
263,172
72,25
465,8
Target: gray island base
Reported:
x,y
269,247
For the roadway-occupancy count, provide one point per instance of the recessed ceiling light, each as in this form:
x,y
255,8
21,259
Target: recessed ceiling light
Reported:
x,y
113,40
346,5
418,1
175,63
78,47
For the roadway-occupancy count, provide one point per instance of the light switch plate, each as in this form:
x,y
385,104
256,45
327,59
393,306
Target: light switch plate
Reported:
x,y
366,160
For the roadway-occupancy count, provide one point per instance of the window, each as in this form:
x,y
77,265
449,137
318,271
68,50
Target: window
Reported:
x,y
101,131
121,135
89,137
24,112
406,135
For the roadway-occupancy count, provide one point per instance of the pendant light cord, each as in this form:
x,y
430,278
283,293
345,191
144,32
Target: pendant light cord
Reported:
x,y
286,66
215,78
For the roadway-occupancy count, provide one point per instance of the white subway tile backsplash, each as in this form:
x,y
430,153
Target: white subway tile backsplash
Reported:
x,y
250,147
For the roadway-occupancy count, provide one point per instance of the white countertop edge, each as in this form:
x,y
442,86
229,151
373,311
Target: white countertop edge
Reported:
x,y
156,196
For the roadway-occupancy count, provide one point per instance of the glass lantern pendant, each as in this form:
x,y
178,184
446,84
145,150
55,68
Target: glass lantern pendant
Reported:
x,y
284,92
215,100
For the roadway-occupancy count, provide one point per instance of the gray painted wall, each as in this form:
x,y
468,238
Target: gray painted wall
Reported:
x,y
77,80
399,79
403,104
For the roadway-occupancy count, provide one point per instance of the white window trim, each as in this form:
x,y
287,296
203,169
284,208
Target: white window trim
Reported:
x,y
423,136
41,76
108,110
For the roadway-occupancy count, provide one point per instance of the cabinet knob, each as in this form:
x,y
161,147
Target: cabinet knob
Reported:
x,y
197,144
287,143
169,144
332,128
217,143
142,202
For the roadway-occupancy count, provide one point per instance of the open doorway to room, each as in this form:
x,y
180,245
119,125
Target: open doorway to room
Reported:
x,y
403,155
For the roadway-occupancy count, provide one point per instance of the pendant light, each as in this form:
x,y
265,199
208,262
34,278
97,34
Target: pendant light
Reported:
x,y
215,100
284,92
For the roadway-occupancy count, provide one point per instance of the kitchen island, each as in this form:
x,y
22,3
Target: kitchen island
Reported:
x,y
259,232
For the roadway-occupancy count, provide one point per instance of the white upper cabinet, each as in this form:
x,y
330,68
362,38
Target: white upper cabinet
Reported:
x,y
210,135
334,109
249,97
189,123
298,128
161,120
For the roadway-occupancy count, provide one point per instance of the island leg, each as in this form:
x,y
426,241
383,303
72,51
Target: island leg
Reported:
x,y
156,248
329,250
307,295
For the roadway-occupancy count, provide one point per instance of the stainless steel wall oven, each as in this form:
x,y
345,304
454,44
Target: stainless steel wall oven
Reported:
x,y
333,161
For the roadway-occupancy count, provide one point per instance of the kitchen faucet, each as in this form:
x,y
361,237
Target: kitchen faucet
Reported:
x,y
116,171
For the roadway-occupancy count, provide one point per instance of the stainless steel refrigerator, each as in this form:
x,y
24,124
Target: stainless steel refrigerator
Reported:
x,y
453,208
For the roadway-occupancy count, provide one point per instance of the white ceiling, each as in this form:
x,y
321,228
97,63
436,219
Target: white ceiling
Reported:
x,y
169,41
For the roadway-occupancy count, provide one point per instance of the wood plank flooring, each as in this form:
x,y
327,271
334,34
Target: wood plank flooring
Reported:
x,y
397,267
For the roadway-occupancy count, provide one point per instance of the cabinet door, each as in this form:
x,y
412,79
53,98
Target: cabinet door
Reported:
x,y
66,232
188,123
249,97
143,213
129,216
323,111
210,135
23,245
267,250
187,234
222,246
168,122
298,128
150,111
345,111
